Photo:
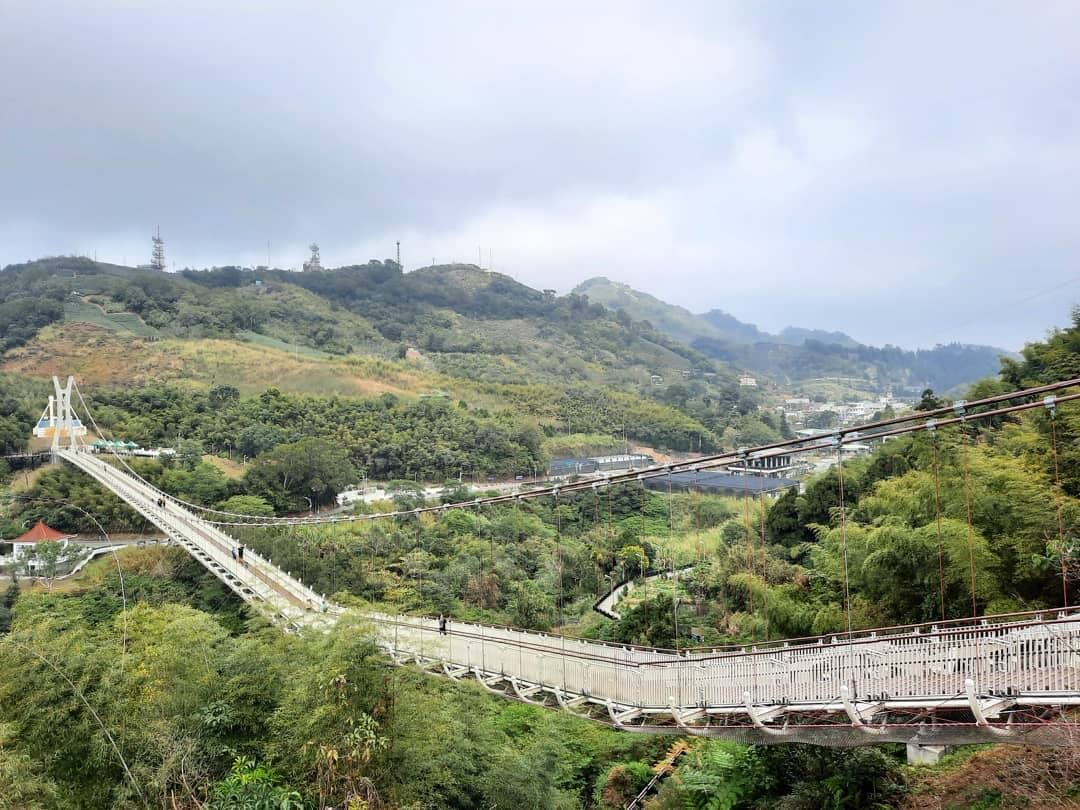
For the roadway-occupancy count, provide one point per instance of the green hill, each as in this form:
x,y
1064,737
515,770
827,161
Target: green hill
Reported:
x,y
478,338
799,355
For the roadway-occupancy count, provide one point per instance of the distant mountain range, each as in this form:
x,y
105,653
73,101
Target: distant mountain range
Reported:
x,y
687,326
468,324
797,354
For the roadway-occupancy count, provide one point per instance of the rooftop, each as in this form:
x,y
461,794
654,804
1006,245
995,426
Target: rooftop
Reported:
x,y
40,533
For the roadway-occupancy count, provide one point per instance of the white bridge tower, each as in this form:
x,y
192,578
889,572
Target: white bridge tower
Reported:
x,y
58,420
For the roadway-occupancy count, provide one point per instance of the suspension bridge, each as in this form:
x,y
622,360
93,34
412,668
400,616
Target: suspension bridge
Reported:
x,y
1006,678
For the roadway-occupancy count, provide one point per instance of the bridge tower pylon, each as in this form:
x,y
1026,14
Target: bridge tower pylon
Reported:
x,y
58,421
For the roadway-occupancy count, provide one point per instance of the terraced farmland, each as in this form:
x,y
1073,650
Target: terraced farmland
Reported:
x,y
80,311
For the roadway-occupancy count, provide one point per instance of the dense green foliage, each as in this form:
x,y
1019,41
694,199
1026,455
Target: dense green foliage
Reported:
x,y
205,707
384,437
1057,358
161,705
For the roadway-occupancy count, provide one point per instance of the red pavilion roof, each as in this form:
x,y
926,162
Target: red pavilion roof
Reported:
x,y
40,533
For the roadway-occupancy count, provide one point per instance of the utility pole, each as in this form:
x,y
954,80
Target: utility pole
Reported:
x,y
399,256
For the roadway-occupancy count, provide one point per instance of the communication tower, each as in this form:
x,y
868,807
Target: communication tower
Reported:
x,y
314,263
157,256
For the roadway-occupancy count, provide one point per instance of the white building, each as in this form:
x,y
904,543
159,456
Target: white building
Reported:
x,y
25,547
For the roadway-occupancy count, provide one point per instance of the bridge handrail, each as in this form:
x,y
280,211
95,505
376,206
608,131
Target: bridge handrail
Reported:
x,y
298,593
475,631
922,630
265,571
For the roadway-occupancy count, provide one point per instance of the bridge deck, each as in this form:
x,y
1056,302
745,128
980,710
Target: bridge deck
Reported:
x,y
984,679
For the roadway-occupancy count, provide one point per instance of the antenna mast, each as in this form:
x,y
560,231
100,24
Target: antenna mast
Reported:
x,y
314,263
157,256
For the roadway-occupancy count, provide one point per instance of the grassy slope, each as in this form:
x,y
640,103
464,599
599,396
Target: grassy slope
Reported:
x,y
1006,776
500,333
99,356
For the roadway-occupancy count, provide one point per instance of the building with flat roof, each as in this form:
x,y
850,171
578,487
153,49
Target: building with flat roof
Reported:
x,y
592,464
773,466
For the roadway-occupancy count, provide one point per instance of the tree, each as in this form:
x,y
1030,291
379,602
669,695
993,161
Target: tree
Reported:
x,y
259,437
929,401
247,505
718,776
782,521
47,557
633,560
531,607
822,420
189,453
290,474
223,395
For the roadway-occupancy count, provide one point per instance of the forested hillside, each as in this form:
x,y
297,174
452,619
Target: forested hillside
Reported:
x,y
798,354
479,348
456,313
185,700
299,722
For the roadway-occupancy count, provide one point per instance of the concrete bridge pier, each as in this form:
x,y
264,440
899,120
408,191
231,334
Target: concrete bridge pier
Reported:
x,y
924,754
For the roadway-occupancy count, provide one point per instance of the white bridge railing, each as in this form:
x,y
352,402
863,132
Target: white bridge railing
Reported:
x,y
978,670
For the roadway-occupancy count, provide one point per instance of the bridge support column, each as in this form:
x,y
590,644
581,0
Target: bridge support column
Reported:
x,y
924,754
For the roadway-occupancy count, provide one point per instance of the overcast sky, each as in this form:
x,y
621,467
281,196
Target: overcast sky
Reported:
x,y
907,172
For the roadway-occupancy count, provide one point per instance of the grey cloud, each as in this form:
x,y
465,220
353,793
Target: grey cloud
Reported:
x,y
893,170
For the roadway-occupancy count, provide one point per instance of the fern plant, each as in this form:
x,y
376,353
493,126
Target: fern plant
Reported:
x,y
714,779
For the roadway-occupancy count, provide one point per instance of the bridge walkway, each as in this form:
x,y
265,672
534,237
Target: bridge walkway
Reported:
x,y
940,684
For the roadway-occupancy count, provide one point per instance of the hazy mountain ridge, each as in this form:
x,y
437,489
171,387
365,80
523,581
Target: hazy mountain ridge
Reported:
x,y
797,353
689,326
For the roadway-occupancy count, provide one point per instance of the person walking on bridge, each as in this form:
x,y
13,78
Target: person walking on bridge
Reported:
x,y
442,625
